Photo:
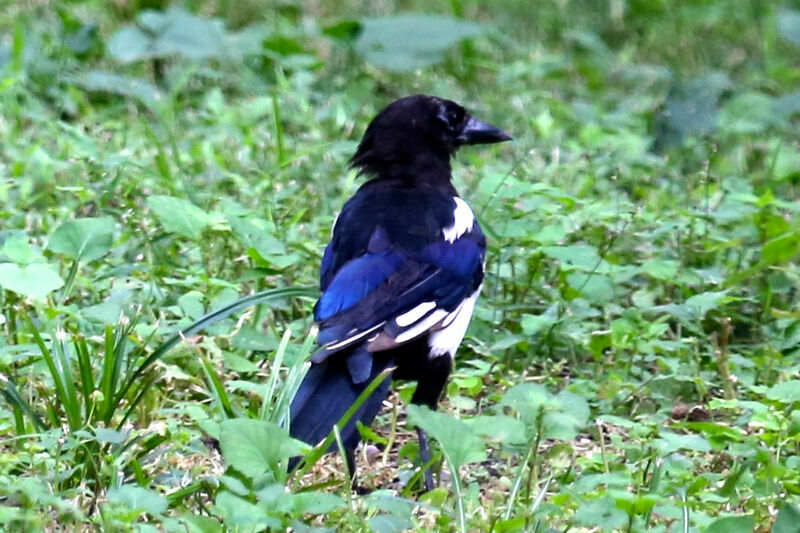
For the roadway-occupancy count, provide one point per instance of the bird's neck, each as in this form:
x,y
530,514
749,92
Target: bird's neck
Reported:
x,y
423,171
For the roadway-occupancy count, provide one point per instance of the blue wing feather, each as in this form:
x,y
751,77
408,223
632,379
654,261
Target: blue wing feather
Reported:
x,y
355,280
460,258
326,266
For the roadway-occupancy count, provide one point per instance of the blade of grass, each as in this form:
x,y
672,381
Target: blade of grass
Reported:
x,y
268,406
217,387
87,378
69,398
293,379
115,343
348,476
20,406
519,479
209,319
278,125
70,281
53,367
141,389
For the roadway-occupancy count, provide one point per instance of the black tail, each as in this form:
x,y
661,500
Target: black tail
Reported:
x,y
327,392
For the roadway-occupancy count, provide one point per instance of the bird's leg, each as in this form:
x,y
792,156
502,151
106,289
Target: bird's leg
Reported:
x,y
429,389
425,457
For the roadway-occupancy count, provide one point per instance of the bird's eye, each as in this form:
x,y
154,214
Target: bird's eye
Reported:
x,y
451,117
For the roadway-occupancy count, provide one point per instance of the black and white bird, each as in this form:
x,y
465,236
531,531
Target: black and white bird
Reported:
x,y
401,274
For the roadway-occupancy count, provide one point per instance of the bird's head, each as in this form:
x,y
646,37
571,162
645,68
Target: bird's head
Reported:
x,y
420,127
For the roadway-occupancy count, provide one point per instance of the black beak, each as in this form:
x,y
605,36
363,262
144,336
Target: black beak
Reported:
x,y
477,132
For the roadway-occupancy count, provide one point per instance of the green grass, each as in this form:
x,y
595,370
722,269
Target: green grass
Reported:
x,y
633,362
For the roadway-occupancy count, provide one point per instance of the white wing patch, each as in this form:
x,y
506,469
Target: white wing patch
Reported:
x,y
463,220
409,317
422,326
447,339
352,339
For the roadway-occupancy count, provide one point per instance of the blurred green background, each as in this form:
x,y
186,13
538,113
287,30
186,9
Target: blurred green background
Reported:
x,y
633,362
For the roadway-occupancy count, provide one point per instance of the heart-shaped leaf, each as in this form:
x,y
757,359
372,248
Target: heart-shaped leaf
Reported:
x,y
84,239
138,499
254,447
36,280
179,215
407,42
459,443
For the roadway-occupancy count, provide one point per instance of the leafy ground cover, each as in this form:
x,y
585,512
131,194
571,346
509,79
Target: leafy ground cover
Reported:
x,y
168,178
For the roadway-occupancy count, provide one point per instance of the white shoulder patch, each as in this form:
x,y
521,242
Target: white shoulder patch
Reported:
x,y
463,220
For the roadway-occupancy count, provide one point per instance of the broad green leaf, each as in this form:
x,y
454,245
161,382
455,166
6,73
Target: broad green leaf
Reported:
x,y
601,513
786,392
459,443
241,515
691,108
411,41
569,414
387,501
527,399
251,339
109,435
137,498
108,82
696,307
596,288
789,25
82,39
107,312
130,44
257,234
346,30
575,256
787,160
178,32
36,280
254,447
84,239
788,520
557,417
717,431
191,304
387,523
237,363
748,113
732,524
196,523
316,502
788,105
179,215
661,269
700,304
499,428
670,442
782,248
169,33
533,324
19,250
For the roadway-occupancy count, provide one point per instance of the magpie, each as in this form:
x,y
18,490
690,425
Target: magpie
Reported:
x,y
400,275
